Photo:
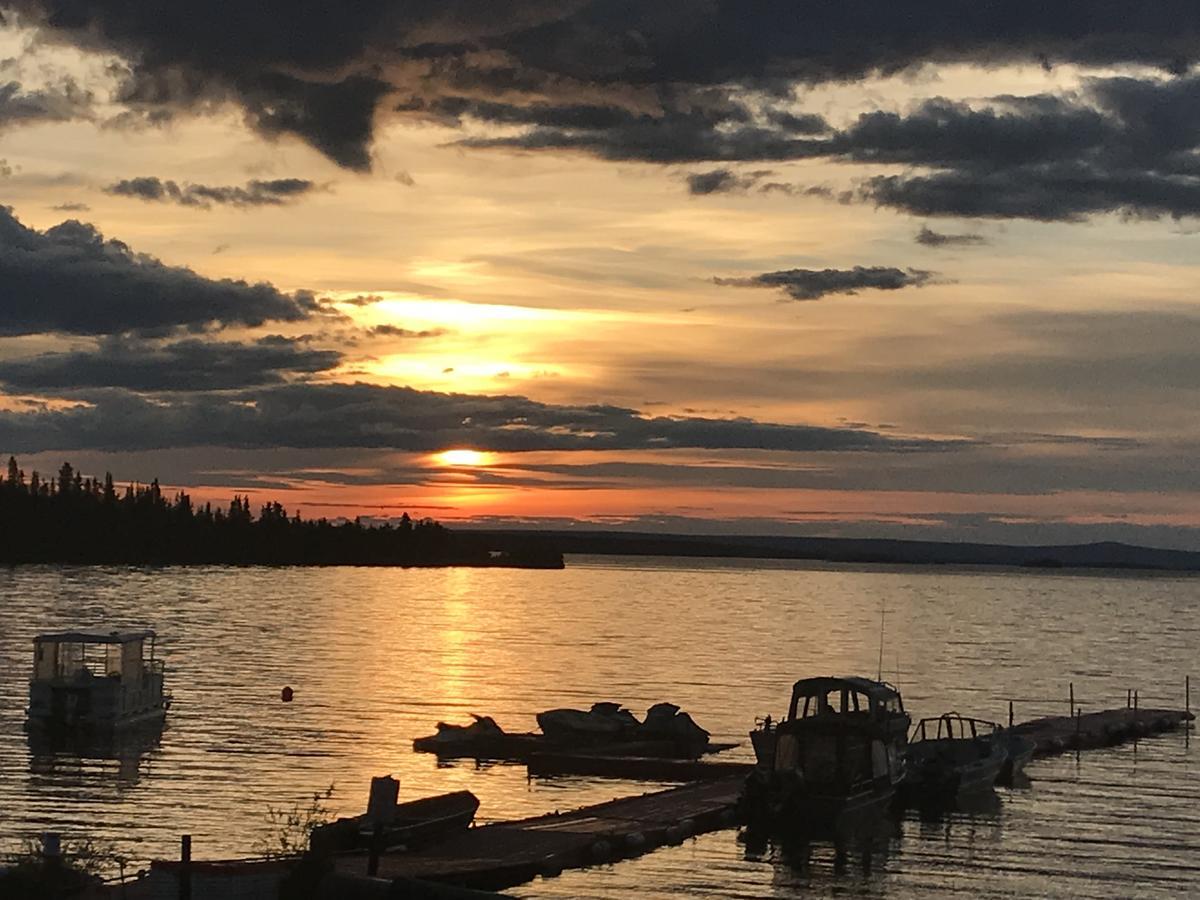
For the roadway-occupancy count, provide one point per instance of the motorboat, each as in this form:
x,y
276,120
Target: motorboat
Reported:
x,y
840,749
95,683
1020,751
953,755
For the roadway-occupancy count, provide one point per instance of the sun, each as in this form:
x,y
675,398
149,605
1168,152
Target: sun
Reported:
x,y
462,458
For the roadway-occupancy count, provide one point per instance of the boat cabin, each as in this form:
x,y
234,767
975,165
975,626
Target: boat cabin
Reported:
x,y
849,698
844,729
95,680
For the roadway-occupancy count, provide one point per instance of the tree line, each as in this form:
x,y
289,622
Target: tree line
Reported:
x,y
70,518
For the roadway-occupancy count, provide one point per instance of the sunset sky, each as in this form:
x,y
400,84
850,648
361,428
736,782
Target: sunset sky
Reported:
x,y
921,269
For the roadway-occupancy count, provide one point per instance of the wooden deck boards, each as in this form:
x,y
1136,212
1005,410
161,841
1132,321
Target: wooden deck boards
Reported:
x,y
508,853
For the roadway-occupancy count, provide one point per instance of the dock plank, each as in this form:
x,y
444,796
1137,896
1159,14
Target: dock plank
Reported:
x,y
509,853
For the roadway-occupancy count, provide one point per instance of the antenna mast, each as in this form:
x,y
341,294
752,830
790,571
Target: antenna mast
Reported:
x,y
882,618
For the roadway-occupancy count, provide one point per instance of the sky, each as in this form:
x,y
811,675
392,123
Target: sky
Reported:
x,y
921,270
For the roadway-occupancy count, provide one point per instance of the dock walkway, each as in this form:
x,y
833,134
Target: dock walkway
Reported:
x,y
1107,728
494,857
504,854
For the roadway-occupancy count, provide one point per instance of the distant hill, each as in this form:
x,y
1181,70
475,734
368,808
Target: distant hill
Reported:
x,y
1105,555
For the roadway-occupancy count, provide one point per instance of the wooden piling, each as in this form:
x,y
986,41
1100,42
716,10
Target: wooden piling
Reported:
x,y
376,849
185,870
1010,714
1187,693
1071,698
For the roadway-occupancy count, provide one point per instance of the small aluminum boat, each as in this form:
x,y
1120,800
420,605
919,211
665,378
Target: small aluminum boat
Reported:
x,y
953,755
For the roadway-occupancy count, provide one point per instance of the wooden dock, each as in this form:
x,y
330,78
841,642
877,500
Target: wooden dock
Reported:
x,y
634,768
506,854
1090,731
494,857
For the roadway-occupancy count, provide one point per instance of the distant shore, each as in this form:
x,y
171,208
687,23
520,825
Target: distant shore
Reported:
x,y
1103,555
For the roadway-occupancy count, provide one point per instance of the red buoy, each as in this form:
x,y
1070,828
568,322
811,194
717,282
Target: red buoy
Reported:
x,y
286,695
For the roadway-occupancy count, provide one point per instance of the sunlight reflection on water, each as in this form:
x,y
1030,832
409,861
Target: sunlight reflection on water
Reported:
x,y
376,656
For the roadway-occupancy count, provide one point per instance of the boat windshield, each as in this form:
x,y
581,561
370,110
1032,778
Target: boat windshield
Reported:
x,y
952,727
813,698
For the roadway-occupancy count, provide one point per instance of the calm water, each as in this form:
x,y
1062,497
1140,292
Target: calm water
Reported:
x,y
377,656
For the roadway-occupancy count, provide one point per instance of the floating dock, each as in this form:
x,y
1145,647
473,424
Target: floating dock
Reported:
x,y
634,768
1090,731
505,854
498,856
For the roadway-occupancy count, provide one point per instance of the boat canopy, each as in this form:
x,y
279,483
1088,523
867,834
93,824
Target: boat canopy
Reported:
x,y
74,654
93,637
847,691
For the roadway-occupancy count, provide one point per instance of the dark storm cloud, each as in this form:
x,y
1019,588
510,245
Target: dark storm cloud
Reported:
x,y
397,331
813,284
1012,131
370,416
1121,145
1061,192
723,181
1124,146
320,71
1127,145
56,103
708,125
718,181
70,279
274,192
927,237
187,365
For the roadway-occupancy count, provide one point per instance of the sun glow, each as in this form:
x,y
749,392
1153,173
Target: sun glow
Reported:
x,y
463,458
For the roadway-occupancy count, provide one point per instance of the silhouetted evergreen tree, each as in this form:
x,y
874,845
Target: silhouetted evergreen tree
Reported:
x,y
74,519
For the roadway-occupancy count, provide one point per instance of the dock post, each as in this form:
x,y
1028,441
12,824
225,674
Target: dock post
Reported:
x,y
1071,699
185,870
52,848
1187,694
1135,700
376,847
1010,714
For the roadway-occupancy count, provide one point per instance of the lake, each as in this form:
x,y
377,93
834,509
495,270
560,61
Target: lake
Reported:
x,y
377,656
